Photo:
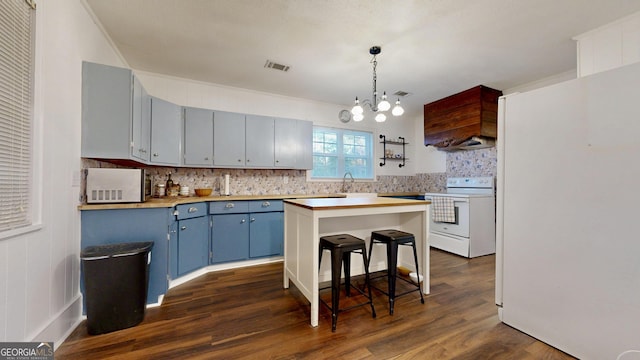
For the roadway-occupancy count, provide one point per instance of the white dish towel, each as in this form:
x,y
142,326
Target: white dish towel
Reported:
x,y
442,209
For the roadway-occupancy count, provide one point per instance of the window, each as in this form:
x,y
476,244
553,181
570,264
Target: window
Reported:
x,y
17,26
337,151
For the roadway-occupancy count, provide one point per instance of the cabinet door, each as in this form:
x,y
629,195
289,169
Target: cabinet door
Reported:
x,y
140,122
259,141
106,111
228,139
166,132
229,237
173,249
266,234
304,152
285,143
193,235
198,137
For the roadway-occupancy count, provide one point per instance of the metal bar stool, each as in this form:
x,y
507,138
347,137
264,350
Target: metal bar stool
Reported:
x,y
341,247
392,238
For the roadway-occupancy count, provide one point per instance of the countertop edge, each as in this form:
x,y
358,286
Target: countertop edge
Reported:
x,y
169,202
352,203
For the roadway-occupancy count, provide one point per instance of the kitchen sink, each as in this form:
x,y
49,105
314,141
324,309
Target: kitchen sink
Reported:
x,y
359,194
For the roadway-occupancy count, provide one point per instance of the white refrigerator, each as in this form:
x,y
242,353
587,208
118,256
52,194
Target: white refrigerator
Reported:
x,y
568,214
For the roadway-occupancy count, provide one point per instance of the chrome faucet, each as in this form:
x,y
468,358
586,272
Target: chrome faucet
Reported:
x,y
344,181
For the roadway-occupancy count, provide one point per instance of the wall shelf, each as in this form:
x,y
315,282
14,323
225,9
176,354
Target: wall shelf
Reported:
x,y
399,142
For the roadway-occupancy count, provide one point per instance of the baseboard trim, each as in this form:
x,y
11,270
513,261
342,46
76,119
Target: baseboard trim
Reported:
x,y
61,324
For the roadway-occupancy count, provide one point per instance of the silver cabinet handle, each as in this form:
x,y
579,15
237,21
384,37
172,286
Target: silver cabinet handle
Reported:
x,y
253,219
229,205
155,154
266,204
183,228
192,210
243,221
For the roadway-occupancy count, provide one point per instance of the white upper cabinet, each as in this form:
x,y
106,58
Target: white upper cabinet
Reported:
x,y
610,46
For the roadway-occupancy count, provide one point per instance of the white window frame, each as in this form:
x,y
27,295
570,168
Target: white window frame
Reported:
x,y
34,187
341,157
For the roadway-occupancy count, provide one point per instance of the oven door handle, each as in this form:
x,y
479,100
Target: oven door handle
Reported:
x,y
466,201
455,200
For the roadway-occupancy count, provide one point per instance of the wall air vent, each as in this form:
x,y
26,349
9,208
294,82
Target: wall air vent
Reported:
x,y
401,93
274,65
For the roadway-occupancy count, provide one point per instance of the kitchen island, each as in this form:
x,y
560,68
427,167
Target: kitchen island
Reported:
x,y
306,220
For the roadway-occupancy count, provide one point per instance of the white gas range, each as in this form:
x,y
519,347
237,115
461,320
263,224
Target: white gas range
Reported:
x,y
470,230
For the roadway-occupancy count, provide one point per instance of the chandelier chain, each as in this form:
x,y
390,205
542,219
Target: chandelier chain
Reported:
x,y
375,80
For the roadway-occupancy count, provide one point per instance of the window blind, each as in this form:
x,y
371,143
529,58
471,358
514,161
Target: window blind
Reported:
x,y
16,99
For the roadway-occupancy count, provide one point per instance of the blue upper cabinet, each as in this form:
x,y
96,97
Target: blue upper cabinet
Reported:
x,y
285,143
228,139
120,121
115,114
259,141
140,122
198,137
166,132
304,145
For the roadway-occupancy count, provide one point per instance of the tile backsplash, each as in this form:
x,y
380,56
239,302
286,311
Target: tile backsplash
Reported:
x,y
274,182
473,163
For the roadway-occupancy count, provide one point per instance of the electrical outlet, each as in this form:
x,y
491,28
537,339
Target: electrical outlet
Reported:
x,y
395,181
285,179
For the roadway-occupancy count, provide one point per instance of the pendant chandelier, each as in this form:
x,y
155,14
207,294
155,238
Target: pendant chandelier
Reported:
x,y
378,107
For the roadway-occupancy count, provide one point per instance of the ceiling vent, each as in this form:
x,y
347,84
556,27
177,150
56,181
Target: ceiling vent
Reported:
x,y
274,65
401,93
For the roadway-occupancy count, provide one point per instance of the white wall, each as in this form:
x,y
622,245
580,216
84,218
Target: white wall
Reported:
x,y
213,96
39,271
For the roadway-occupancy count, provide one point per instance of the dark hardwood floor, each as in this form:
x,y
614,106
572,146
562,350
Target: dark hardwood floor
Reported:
x,y
246,314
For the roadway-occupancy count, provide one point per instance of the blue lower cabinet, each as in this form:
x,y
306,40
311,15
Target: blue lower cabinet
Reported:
x,y
229,237
193,244
266,232
188,239
103,227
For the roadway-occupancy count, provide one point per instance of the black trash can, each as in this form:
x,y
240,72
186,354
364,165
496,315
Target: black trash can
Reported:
x,y
116,278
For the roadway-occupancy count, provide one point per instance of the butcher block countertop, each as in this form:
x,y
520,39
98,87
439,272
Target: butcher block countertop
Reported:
x,y
352,203
168,202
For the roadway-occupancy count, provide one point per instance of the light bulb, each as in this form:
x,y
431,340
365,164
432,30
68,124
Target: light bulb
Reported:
x,y
357,109
380,117
384,104
397,110
358,117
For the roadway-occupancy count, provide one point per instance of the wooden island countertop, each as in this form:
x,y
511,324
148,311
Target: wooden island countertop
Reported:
x,y
351,203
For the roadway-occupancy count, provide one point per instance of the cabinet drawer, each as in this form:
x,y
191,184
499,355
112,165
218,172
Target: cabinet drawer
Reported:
x,y
228,207
265,205
188,211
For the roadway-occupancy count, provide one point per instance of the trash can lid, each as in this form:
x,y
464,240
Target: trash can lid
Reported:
x,y
115,250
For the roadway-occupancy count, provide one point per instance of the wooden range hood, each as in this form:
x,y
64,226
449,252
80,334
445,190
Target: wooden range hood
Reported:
x,y
464,121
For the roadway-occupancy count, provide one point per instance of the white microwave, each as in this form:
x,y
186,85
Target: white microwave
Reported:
x,y
111,185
